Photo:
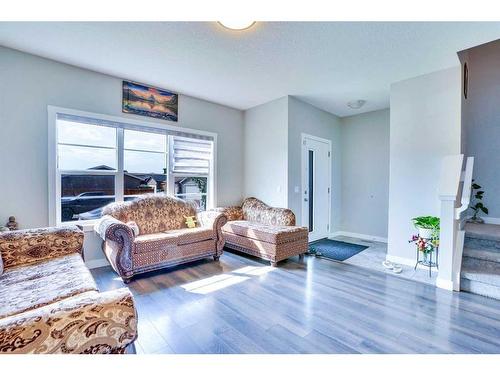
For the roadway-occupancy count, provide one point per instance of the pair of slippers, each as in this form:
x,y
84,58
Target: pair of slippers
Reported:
x,y
396,268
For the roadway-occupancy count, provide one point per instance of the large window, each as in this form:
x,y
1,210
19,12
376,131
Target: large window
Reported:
x,y
100,161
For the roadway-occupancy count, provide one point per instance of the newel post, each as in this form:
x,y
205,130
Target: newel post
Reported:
x,y
447,244
451,169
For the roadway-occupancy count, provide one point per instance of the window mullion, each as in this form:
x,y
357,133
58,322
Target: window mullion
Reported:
x,y
170,177
119,176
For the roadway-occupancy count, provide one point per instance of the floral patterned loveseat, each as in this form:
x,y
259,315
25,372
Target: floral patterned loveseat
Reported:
x,y
49,302
263,231
150,233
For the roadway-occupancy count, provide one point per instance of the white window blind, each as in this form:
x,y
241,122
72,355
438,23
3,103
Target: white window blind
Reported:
x,y
191,156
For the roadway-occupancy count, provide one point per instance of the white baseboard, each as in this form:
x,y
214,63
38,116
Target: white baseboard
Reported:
x,y
96,263
491,220
444,284
361,236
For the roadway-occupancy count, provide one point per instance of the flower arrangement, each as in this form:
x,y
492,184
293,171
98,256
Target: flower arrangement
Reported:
x,y
425,245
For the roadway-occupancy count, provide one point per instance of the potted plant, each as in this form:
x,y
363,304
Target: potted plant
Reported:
x,y
478,205
428,226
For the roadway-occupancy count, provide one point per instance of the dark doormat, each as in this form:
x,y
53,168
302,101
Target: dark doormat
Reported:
x,y
336,250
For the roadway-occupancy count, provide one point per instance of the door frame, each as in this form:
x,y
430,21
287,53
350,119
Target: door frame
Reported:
x,y
304,185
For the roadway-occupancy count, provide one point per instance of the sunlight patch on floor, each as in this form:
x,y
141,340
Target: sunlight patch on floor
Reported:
x,y
213,283
254,271
217,282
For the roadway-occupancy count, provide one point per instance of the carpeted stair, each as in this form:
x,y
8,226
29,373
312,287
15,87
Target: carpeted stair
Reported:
x,y
481,260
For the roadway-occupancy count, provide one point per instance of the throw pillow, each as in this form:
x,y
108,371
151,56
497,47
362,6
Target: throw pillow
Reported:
x,y
190,221
135,228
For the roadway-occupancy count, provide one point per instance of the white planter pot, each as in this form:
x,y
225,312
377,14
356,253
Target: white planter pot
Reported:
x,y
426,233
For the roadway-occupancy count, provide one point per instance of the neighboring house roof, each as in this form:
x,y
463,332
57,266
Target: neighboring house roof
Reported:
x,y
101,168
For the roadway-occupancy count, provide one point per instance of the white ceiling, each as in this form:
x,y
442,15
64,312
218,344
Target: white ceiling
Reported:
x,y
326,64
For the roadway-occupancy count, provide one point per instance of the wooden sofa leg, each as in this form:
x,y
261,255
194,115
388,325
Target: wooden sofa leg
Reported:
x,y
274,264
216,258
126,280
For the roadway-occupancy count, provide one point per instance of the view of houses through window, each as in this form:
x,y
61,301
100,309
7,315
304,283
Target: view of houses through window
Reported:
x,y
100,164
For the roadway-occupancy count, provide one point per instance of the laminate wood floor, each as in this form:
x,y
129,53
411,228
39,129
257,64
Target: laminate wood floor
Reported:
x,y
242,305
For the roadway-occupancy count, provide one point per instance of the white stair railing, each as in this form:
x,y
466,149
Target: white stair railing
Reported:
x,y
466,178
451,236
460,236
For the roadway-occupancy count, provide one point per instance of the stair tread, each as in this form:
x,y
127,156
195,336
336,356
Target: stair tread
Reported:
x,y
483,231
490,254
481,270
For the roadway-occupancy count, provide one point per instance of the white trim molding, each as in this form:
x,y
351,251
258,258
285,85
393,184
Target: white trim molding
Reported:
x,y
361,236
444,284
303,178
491,220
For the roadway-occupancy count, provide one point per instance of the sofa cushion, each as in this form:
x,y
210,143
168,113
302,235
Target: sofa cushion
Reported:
x,y
29,287
267,233
158,241
153,213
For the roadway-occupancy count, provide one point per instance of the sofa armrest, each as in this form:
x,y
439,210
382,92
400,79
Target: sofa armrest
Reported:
x,y
280,216
27,246
232,212
216,221
107,225
257,211
119,239
91,322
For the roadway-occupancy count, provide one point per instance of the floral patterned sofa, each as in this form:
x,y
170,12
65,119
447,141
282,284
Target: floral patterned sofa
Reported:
x,y
266,232
150,233
49,302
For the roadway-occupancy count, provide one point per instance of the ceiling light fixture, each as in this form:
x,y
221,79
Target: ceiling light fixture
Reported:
x,y
236,24
356,104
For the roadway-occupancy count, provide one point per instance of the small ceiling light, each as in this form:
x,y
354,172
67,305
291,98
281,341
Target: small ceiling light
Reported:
x,y
236,24
356,104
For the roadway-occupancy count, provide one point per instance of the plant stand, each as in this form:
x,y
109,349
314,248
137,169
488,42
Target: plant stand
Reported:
x,y
430,255
428,261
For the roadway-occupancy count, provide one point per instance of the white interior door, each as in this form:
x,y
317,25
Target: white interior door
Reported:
x,y
316,186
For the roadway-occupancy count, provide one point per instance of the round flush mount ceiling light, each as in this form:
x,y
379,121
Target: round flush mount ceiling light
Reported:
x,y
238,25
356,104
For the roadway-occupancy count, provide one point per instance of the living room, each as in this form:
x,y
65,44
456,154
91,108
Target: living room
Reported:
x,y
260,188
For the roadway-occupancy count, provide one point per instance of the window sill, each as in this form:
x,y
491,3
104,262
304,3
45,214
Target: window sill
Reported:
x,y
85,225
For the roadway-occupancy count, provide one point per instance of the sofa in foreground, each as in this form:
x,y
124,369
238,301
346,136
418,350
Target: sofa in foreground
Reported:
x,y
151,233
263,231
49,302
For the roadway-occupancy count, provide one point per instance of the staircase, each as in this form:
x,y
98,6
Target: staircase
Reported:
x,y
481,260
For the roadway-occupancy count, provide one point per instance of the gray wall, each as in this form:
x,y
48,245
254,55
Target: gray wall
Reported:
x,y
266,152
425,127
305,118
273,161
481,120
365,173
30,83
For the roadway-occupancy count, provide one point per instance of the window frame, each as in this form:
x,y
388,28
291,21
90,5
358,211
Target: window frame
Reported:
x,y
54,174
